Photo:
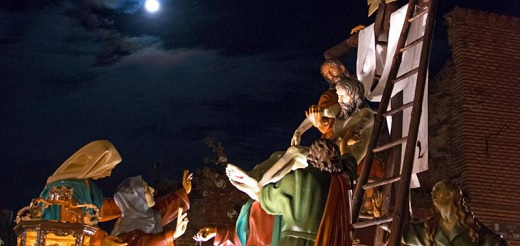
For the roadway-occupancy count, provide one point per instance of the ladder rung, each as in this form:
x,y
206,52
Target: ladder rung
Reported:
x,y
364,216
390,145
412,44
406,75
381,182
398,109
417,16
382,43
378,221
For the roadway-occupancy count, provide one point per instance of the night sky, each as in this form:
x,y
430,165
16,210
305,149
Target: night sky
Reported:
x,y
157,85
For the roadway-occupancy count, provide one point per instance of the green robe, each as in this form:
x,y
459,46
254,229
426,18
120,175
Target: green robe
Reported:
x,y
413,234
300,198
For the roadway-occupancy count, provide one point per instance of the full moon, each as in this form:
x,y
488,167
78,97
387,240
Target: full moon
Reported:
x,y
151,5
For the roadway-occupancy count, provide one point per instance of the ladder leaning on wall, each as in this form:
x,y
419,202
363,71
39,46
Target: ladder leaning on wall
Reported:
x,y
402,181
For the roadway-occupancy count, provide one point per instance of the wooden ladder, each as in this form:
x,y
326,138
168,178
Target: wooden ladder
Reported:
x,y
413,13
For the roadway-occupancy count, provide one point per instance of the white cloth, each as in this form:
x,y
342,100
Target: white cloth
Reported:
x,y
372,57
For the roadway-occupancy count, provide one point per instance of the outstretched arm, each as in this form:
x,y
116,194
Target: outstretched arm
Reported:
x,y
295,157
186,181
205,234
304,126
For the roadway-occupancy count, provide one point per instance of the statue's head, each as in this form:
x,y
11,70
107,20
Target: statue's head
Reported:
x,y
351,95
333,71
446,193
148,194
447,196
325,155
134,197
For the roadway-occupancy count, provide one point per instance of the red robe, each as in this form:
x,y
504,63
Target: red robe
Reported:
x,y
260,230
167,206
335,226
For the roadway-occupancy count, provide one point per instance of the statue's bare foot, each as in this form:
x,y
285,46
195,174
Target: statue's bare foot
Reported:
x,y
242,181
236,174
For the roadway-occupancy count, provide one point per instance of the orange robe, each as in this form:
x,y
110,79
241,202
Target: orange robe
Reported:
x,y
328,99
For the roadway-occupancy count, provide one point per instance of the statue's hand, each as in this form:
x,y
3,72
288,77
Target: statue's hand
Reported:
x,y
297,136
182,224
205,234
314,115
109,240
186,181
353,136
377,203
357,28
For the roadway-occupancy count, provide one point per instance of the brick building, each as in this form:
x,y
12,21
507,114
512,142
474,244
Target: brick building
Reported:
x,y
475,115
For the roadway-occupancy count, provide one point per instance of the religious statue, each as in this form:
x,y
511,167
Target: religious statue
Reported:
x,y
93,161
142,219
350,127
451,223
300,196
253,227
323,114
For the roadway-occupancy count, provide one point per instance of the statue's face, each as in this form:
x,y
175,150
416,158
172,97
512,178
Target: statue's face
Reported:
x,y
332,73
441,196
148,194
345,100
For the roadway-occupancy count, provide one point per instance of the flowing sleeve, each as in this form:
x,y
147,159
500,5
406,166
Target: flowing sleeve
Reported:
x,y
140,238
328,99
276,198
299,197
168,205
109,210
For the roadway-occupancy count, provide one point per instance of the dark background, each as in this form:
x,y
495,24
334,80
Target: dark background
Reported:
x,y
157,85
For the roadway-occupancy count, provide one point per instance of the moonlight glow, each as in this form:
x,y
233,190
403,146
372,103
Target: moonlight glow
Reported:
x,y
151,5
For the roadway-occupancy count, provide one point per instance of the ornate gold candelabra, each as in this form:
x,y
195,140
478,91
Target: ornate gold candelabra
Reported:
x,y
75,226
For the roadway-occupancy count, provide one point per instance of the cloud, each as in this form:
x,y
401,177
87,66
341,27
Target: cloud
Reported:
x,y
125,6
152,102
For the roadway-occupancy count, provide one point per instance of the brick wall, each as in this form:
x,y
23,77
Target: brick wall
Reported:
x,y
475,114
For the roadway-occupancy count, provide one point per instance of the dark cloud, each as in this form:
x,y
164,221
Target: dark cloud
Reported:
x,y
153,103
157,85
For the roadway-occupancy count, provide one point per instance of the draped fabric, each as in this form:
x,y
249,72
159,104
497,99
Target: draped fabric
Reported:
x,y
93,161
329,102
299,197
263,230
254,227
135,213
335,226
140,225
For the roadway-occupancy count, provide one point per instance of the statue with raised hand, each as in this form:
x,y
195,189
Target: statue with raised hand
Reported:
x,y
143,217
322,114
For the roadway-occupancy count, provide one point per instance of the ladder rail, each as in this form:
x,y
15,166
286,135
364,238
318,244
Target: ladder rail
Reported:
x,y
385,100
409,155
